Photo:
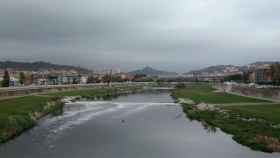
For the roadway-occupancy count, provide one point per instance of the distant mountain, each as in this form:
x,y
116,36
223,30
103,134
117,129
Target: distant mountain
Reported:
x,y
149,71
260,63
227,68
36,66
215,69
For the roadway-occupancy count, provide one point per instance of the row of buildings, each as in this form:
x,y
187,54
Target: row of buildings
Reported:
x,y
254,73
59,77
214,73
48,77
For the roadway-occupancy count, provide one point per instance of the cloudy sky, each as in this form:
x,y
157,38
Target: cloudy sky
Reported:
x,y
175,35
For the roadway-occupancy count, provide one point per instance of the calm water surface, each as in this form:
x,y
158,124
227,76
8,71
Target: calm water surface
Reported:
x,y
134,126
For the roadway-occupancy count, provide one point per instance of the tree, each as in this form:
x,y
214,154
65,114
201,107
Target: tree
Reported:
x,y
93,79
138,76
75,81
116,78
6,79
180,86
246,77
106,78
31,79
22,78
275,71
236,77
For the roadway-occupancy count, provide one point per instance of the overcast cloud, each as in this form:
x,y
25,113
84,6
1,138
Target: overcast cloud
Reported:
x,y
176,35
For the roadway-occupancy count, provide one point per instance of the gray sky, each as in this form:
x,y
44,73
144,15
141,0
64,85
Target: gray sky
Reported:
x,y
175,35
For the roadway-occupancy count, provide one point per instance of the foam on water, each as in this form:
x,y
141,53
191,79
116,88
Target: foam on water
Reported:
x,y
80,112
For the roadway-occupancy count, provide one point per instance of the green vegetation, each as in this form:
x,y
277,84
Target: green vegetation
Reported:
x,y
22,78
258,134
275,70
207,94
6,79
267,112
20,114
236,78
256,126
97,92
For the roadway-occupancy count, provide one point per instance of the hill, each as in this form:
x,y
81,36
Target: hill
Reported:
x,y
216,69
149,71
36,66
229,68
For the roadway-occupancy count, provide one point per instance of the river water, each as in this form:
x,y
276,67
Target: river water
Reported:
x,y
146,125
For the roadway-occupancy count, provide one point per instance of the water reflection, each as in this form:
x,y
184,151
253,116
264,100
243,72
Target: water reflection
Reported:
x,y
209,128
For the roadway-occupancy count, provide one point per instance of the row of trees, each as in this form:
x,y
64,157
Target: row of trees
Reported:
x,y
6,79
106,79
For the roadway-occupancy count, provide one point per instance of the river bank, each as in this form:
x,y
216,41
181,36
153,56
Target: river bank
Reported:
x,y
20,114
255,126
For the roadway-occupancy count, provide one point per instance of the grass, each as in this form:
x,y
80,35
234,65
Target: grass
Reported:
x,y
269,113
84,92
22,105
97,93
243,132
205,93
20,114
256,126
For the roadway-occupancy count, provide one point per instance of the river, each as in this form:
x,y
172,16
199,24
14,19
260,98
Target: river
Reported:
x,y
145,125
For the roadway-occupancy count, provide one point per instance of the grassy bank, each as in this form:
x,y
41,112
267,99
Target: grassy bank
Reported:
x,y
267,112
104,92
20,114
256,126
205,93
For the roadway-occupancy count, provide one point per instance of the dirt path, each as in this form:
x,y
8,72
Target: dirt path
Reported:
x,y
262,98
245,104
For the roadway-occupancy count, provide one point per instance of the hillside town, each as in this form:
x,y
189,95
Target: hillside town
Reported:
x,y
58,77
258,73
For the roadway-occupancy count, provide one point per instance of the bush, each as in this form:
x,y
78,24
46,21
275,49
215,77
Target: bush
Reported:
x,y
180,86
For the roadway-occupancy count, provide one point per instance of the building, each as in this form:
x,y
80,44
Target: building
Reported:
x,y
60,79
14,82
126,77
261,75
84,79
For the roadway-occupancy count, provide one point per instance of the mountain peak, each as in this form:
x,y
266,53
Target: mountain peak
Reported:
x,y
149,71
148,68
39,65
